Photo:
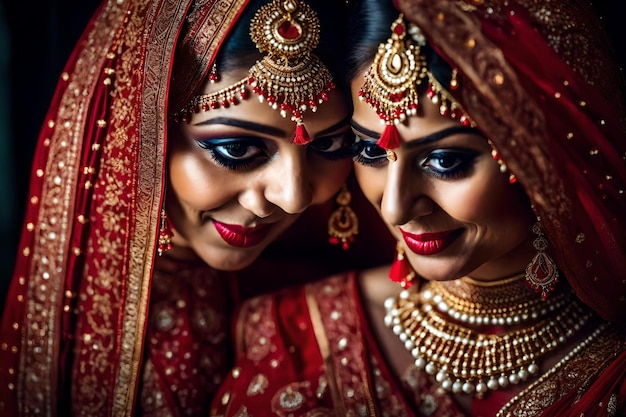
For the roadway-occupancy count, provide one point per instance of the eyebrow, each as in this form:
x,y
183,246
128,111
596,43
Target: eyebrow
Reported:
x,y
244,124
432,137
269,130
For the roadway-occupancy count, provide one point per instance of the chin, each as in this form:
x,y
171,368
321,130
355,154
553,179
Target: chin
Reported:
x,y
232,259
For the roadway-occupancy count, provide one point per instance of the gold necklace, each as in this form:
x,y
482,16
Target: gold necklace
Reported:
x,y
505,302
464,360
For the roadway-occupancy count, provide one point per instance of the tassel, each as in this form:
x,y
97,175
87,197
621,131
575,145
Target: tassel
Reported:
x,y
390,139
401,270
301,136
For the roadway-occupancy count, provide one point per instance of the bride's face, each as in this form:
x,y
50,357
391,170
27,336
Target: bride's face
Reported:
x,y
236,180
444,197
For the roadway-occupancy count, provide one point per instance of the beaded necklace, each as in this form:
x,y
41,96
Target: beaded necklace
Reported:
x,y
433,325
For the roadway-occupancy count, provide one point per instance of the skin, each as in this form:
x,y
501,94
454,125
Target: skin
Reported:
x,y
492,217
278,181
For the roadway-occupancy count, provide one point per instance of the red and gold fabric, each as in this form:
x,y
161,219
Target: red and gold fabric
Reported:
x,y
310,351
72,338
539,80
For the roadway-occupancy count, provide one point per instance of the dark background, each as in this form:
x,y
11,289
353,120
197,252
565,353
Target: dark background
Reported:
x,y
36,38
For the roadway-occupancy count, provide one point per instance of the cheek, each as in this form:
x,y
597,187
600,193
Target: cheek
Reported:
x,y
372,183
493,205
195,184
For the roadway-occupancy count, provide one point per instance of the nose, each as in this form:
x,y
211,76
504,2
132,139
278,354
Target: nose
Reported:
x,y
285,183
404,196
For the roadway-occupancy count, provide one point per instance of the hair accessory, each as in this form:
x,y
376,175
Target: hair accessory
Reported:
x,y
343,224
392,83
231,95
401,270
289,77
542,273
165,234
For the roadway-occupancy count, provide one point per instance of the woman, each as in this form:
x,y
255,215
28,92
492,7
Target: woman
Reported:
x,y
179,145
493,148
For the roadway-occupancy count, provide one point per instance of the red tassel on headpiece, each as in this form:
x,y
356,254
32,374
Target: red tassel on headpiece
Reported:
x,y
390,139
301,136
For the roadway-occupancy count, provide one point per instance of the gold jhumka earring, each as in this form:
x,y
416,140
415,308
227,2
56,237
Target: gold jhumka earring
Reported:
x,y
343,223
393,80
289,78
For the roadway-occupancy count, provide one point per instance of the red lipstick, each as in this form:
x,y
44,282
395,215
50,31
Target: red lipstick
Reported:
x,y
430,243
241,236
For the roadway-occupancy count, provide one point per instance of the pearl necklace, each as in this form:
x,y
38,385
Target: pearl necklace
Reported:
x,y
465,360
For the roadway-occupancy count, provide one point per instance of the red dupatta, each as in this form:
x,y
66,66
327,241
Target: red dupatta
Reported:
x,y
74,323
538,80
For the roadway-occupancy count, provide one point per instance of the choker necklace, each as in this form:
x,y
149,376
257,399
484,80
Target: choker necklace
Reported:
x,y
433,325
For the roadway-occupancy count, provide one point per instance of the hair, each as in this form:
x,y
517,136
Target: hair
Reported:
x,y
368,26
238,50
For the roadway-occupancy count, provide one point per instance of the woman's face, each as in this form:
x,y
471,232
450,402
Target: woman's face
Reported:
x,y
444,198
236,181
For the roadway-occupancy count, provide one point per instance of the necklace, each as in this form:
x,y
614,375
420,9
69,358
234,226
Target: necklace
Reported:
x,y
432,324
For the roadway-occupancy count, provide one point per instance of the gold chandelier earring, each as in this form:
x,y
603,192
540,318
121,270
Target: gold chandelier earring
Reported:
x,y
343,224
542,273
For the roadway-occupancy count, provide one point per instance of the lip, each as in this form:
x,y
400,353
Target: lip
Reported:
x,y
430,243
241,236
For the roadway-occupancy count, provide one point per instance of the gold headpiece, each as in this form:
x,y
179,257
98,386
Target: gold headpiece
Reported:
x,y
392,82
290,78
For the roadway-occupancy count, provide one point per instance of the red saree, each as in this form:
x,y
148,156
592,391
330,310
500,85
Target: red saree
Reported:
x,y
72,332
310,350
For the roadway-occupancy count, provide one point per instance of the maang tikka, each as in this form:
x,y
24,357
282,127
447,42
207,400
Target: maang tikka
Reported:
x,y
290,78
392,83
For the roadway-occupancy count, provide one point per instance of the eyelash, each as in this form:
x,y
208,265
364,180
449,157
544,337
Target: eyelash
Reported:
x,y
219,148
462,160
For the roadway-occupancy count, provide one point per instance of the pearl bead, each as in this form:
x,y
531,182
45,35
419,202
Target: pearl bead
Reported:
x,y
430,369
492,384
457,387
514,379
481,387
468,388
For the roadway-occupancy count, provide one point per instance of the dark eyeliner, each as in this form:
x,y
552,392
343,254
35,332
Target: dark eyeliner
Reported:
x,y
232,164
465,164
